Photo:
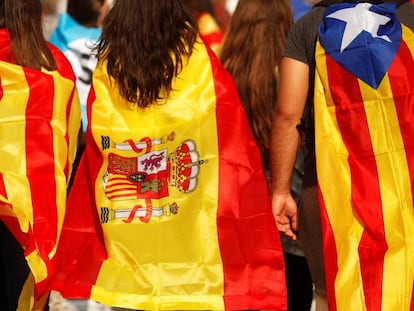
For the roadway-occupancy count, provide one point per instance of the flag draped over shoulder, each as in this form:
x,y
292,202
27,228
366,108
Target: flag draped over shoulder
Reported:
x,y
182,200
39,125
364,112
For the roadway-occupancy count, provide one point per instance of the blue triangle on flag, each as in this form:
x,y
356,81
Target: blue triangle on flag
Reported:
x,y
347,34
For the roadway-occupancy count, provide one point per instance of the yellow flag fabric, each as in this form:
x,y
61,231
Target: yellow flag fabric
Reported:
x,y
365,165
39,125
183,202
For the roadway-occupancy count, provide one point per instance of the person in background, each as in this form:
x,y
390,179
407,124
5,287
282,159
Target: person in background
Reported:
x,y
39,127
182,203
301,7
252,52
223,15
77,31
209,27
49,14
346,84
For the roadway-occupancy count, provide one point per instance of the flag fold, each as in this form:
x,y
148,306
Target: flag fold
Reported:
x,y
177,200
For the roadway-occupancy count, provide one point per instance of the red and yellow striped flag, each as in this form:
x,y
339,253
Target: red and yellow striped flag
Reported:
x,y
364,112
39,125
183,202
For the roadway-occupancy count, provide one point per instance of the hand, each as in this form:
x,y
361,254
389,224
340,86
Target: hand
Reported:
x,y
285,212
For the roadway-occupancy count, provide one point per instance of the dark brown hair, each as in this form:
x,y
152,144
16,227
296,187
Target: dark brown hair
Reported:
x,y
23,20
85,12
251,52
145,43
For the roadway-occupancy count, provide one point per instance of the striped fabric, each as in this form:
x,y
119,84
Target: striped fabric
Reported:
x,y
194,229
39,125
364,112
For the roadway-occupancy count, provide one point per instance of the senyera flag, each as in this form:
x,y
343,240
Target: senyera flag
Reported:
x,y
39,125
364,112
170,207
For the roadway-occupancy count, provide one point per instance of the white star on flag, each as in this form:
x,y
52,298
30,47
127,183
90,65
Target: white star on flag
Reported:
x,y
359,19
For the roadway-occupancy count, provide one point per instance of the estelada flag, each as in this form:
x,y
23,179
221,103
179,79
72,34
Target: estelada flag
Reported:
x,y
39,126
180,200
364,112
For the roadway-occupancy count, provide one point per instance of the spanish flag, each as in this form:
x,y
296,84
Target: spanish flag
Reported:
x,y
39,125
364,112
177,200
210,31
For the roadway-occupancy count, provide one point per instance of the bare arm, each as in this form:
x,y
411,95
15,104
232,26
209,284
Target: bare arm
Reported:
x,y
293,90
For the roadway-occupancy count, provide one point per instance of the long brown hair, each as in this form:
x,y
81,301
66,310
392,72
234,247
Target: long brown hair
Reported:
x,y
145,43
23,20
251,52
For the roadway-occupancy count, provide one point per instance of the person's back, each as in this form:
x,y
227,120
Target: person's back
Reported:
x,y
39,126
359,110
253,60
366,77
179,196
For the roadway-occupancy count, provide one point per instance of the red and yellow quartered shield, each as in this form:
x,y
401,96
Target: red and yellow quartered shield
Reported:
x,y
179,198
364,112
39,125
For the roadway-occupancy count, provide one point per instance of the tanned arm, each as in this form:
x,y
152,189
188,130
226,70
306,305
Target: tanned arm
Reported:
x,y
293,90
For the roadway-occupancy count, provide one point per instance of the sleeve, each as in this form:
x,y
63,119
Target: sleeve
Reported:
x,y
301,40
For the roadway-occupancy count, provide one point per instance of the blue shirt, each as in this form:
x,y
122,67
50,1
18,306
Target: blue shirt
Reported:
x,y
299,8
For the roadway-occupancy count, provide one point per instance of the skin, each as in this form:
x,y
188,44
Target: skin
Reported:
x,y
285,138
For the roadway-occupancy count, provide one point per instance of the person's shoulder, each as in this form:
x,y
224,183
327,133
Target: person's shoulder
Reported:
x,y
311,18
307,26
405,12
315,12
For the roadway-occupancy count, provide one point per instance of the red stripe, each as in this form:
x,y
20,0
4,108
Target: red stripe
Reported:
x,y
365,188
329,247
40,160
253,267
2,187
114,197
82,234
212,38
68,110
405,104
129,188
412,300
405,110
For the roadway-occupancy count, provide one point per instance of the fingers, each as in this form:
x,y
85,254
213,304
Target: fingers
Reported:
x,y
286,225
291,234
285,212
294,222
